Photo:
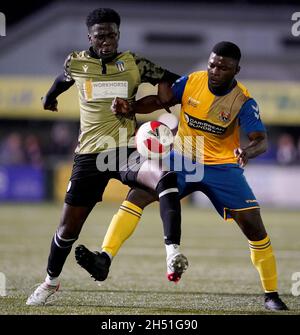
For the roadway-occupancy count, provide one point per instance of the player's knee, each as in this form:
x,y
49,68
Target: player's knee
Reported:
x,y
68,231
255,233
64,241
72,220
141,198
250,222
167,182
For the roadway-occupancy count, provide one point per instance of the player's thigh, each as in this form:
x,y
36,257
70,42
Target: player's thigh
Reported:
x,y
150,173
72,220
87,183
145,174
228,190
189,173
86,192
81,196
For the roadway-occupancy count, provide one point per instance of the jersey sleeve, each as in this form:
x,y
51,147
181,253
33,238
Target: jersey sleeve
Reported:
x,y
178,88
249,117
152,73
67,68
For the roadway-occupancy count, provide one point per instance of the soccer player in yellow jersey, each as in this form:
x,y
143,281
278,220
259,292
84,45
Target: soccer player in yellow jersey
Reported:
x,y
105,150
214,107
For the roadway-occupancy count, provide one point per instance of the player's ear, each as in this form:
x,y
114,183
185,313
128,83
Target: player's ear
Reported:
x,y
90,38
237,69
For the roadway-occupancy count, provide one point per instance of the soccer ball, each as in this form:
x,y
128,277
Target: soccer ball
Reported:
x,y
154,140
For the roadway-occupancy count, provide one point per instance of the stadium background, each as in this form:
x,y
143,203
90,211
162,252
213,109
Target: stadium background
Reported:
x,y
36,146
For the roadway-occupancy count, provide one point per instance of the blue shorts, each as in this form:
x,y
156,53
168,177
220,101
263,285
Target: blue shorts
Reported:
x,y
224,184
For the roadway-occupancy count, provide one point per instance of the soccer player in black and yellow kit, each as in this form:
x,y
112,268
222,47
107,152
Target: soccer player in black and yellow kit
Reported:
x,y
214,107
101,74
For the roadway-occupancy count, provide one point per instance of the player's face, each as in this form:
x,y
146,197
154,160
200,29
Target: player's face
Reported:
x,y
221,70
104,38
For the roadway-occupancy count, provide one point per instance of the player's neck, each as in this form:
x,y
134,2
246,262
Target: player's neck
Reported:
x,y
224,89
104,60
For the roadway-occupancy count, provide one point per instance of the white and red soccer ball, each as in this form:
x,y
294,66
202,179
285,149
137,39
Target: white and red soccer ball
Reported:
x,y
154,140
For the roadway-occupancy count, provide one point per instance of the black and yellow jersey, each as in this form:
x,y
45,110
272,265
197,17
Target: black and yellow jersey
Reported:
x,y
98,83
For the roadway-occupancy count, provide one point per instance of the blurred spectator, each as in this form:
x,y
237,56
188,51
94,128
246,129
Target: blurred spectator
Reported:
x,y
286,150
62,140
268,157
33,151
51,142
11,150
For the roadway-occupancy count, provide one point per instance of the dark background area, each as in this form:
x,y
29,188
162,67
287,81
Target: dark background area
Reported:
x,y
16,12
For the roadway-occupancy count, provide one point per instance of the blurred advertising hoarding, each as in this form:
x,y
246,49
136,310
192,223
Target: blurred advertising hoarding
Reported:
x,y
20,97
277,186
22,183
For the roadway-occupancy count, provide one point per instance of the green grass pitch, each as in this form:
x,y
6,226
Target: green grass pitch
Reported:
x,y
220,278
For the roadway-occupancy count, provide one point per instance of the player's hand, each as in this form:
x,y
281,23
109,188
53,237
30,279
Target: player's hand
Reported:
x,y
120,106
49,104
242,156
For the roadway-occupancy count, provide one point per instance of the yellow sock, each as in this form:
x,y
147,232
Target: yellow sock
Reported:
x,y
121,227
264,260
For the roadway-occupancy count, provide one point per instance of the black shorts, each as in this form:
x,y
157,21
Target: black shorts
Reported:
x,y
92,172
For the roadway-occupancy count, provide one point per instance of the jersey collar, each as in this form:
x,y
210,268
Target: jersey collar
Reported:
x,y
222,91
93,54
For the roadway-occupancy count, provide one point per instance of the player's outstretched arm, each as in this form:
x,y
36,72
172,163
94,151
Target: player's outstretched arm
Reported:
x,y
148,104
59,86
258,144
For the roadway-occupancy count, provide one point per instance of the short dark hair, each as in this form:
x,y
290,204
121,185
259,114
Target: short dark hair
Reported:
x,y
227,49
103,15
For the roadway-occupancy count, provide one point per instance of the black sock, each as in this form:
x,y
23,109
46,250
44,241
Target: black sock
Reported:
x,y
60,249
170,209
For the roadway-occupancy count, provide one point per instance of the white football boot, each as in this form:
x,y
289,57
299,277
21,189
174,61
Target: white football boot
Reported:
x,y
41,294
177,263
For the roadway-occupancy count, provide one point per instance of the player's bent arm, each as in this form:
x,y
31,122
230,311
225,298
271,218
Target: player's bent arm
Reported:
x,y
148,104
166,96
59,86
163,100
145,105
258,144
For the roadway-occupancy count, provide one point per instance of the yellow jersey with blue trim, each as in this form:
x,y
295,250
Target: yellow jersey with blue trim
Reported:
x,y
209,125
